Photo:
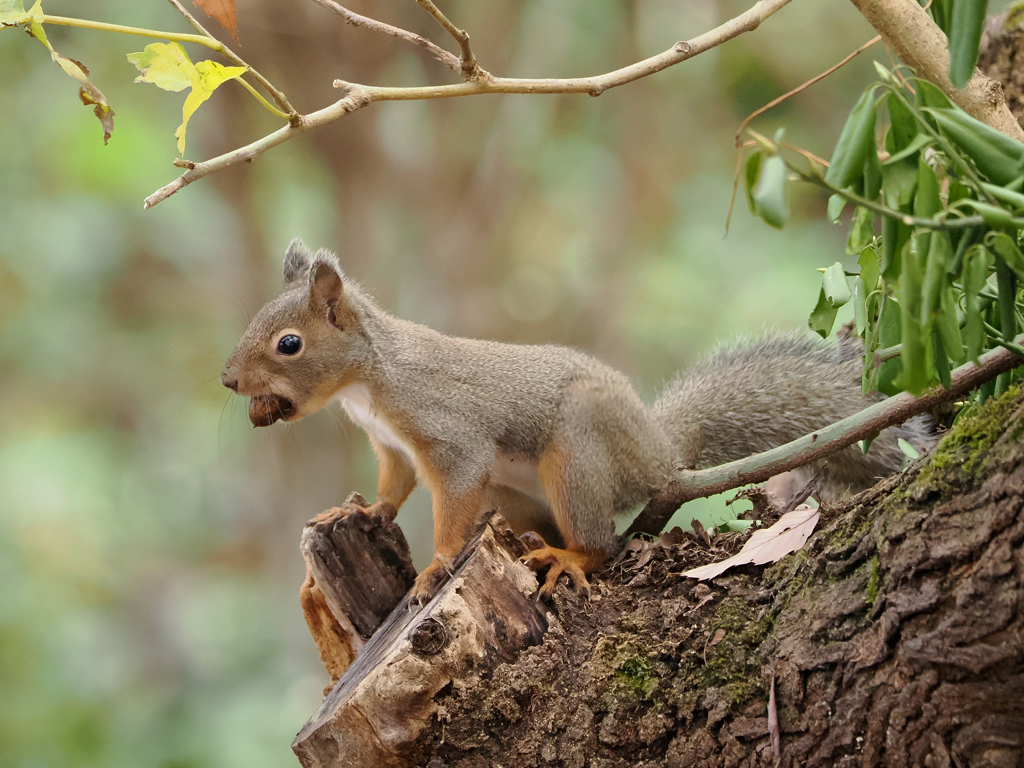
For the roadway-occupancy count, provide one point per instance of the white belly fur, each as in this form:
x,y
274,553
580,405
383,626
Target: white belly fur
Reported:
x,y
517,473
356,400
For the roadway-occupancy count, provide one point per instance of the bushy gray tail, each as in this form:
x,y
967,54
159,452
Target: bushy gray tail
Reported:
x,y
756,397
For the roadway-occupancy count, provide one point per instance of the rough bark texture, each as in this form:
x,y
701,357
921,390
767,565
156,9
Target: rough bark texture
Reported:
x,y
358,568
896,637
920,44
1001,58
483,615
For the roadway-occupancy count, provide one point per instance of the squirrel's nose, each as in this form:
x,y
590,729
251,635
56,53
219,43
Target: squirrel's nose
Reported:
x,y
231,384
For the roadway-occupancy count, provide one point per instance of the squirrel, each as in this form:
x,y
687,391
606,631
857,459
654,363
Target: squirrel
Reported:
x,y
558,441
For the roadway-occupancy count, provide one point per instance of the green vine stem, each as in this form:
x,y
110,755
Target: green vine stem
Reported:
x,y
103,26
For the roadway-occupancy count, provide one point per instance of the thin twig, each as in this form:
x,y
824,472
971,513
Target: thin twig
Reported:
x,y
447,58
735,187
235,59
964,222
808,84
358,96
810,448
470,69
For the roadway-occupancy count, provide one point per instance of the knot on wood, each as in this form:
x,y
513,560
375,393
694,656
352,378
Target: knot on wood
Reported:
x,y
429,638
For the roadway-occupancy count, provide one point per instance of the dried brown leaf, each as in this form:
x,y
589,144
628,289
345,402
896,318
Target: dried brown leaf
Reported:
x,y
224,12
768,545
702,534
672,538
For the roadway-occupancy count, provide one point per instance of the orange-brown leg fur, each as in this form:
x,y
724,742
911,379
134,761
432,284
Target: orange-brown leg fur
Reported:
x,y
455,519
581,509
396,479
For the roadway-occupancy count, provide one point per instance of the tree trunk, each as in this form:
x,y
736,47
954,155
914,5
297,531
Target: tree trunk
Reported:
x,y
896,637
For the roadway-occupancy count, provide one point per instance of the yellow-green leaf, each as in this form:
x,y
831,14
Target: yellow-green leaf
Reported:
x,y
165,65
35,24
206,77
87,92
836,286
11,9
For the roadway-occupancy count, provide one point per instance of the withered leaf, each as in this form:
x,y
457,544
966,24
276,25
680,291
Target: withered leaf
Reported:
x,y
224,12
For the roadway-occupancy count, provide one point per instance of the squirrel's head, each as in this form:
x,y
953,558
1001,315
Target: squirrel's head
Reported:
x,y
302,347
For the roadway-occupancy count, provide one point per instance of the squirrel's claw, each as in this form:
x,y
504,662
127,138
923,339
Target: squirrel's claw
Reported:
x,y
428,582
574,563
328,515
382,509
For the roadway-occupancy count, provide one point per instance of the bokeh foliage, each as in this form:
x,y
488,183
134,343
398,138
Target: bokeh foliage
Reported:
x,y
148,537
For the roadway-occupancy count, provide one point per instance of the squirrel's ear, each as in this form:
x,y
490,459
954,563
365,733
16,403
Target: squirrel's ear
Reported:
x,y
296,262
325,284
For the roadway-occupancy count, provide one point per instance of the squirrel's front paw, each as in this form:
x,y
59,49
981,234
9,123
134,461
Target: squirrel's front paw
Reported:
x,y
428,582
574,563
355,503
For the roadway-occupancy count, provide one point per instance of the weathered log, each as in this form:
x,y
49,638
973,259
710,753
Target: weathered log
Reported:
x,y
358,568
483,616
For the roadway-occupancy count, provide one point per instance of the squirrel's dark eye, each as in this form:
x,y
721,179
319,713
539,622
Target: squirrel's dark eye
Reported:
x,y
289,345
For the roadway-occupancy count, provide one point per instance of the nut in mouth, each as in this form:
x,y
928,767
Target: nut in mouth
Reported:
x,y
264,410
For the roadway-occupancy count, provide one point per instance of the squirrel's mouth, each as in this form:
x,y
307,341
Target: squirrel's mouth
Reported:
x,y
264,410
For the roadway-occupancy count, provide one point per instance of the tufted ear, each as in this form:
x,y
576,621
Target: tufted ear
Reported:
x,y
296,263
325,285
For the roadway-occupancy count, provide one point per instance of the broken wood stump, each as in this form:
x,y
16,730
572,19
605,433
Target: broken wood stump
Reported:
x,y
484,615
358,568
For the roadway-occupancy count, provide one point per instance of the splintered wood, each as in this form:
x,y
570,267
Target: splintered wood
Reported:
x,y
358,568
484,615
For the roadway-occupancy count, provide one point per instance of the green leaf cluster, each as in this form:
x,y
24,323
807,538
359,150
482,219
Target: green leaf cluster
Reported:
x,y
937,228
963,22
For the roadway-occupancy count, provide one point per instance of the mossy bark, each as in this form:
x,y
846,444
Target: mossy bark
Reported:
x,y
896,637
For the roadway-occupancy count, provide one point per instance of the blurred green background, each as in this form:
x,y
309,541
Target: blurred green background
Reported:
x,y
149,563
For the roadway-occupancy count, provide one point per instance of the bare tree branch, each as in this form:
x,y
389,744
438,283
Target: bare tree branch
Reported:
x,y
447,58
235,59
358,96
755,469
917,40
470,69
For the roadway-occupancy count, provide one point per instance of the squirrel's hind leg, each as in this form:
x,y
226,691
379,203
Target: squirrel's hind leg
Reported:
x,y
575,472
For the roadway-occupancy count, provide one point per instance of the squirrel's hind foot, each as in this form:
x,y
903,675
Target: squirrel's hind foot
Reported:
x,y
576,563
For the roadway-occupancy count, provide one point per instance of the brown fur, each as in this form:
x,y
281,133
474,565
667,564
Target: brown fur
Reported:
x,y
558,440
